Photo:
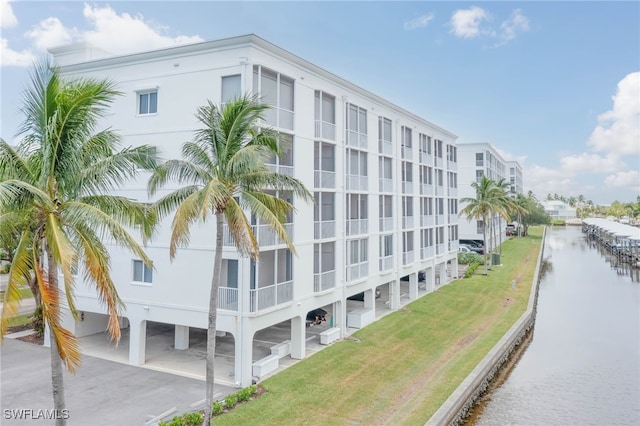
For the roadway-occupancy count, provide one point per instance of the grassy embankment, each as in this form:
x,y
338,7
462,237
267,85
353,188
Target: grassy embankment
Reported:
x,y
400,369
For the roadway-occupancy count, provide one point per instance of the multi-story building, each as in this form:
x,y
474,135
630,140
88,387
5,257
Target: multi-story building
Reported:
x,y
384,181
475,161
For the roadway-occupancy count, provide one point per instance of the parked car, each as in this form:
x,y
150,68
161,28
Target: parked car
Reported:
x,y
421,276
360,296
464,249
475,243
474,249
317,316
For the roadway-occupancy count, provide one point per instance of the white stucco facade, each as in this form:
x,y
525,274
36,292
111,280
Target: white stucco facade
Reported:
x,y
384,179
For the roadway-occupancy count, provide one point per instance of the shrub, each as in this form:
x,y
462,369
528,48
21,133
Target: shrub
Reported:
x,y
468,258
231,400
176,421
472,268
193,419
216,408
245,394
4,269
38,321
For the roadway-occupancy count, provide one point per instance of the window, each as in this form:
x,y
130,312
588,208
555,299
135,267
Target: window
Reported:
x,y
148,102
406,137
479,175
479,226
358,251
357,119
385,168
276,90
407,171
479,159
141,272
384,129
230,88
356,162
386,245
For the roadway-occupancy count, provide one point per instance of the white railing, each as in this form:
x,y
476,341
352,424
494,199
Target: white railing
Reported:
x,y
453,219
357,226
386,263
324,281
407,187
386,185
440,248
452,165
356,139
357,182
385,147
278,117
407,153
386,224
278,168
453,192
273,295
426,158
324,229
439,191
407,222
227,239
426,220
358,270
408,257
454,245
228,298
426,253
325,130
426,189
438,162
267,236
324,179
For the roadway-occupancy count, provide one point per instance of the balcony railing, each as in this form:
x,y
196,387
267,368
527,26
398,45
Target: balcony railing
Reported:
x,y
407,222
357,226
408,257
407,153
385,147
426,189
324,281
426,158
453,219
439,219
386,263
454,245
324,229
426,253
282,169
407,187
358,140
325,130
358,270
263,233
386,224
228,298
438,162
324,179
278,117
440,248
453,192
357,183
439,191
386,185
270,296
426,220
452,165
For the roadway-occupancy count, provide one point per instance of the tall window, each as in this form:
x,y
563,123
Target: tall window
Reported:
x,y
276,90
407,171
148,102
356,126
141,272
324,259
479,159
230,88
358,251
325,115
406,143
324,208
385,168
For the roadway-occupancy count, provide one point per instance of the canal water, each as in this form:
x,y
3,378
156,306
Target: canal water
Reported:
x,y
582,366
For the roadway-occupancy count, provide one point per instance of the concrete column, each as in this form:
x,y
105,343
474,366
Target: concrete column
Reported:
x,y
137,341
244,355
430,279
454,268
298,338
443,273
181,337
394,294
369,299
413,286
339,317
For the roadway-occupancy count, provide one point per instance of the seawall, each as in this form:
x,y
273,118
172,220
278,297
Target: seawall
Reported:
x,y
460,402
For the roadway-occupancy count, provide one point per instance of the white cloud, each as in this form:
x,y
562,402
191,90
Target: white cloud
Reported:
x,y
507,156
12,58
48,33
466,23
7,18
629,179
419,22
618,130
590,163
510,28
542,180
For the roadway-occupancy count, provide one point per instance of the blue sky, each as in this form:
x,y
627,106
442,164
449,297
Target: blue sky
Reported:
x,y
555,85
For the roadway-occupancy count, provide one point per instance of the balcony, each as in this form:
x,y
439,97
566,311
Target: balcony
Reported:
x,y
439,219
407,153
357,271
426,158
407,187
324,281
263,233
439,249
324,179
325,130
439,191
438,162
453,192
407,222
386,263
278,117
453,246
358,140
452,166
357,183
386,224
386,185
426,253
278,168
408,257
357,226
453,219
426,220
270,296
228,298
426,189
385,147
324,229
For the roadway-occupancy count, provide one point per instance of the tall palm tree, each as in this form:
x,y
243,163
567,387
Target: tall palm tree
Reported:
x,y
482,206
225,174
59,177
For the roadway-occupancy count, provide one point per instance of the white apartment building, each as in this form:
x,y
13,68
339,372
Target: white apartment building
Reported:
x,y
475,161
384,180
559,210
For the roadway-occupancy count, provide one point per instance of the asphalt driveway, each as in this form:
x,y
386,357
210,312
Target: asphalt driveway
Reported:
x,y
101,392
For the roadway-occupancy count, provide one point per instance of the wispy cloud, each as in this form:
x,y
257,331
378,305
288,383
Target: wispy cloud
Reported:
x,y
475,22
512,27
8,56
629,179
419,22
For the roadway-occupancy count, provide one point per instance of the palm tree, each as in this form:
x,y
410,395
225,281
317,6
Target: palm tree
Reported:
x,y
59,177
225,174
505,204
485,203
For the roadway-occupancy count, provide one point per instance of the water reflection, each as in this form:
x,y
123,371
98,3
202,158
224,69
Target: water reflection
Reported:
x,y
583,366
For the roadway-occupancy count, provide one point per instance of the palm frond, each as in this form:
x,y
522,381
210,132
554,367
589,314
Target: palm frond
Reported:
x,y
19,274
63,254
241,230
271,211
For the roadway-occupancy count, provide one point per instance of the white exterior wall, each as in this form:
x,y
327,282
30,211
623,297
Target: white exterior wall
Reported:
x,y
186,77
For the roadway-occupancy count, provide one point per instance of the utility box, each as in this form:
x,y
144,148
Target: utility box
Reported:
x,y
495,258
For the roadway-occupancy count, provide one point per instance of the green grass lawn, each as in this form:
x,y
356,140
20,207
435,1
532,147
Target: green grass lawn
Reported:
x,y
25,293
400,369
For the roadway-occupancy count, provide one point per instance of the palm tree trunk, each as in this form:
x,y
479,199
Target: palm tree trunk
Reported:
x,y
213,314
484,242
57,377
